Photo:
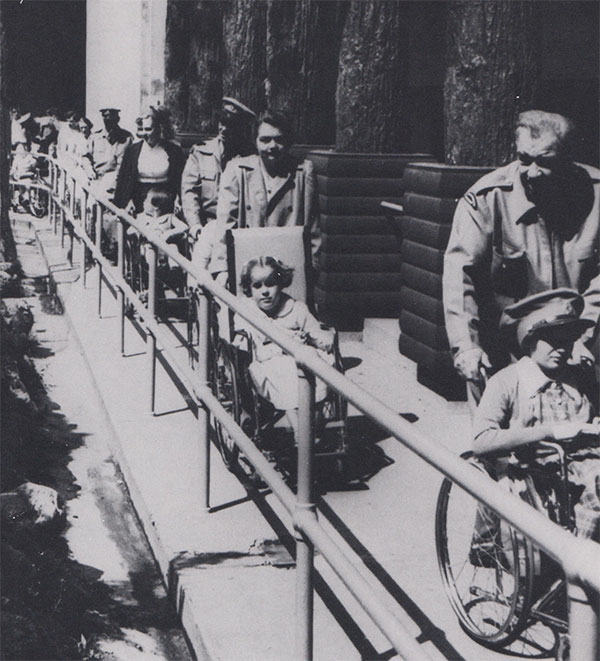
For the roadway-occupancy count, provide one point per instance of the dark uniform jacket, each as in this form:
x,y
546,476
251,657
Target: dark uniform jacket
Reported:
x,y
502,249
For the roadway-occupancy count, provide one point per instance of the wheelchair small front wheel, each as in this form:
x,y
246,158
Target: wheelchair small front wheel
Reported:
x,y
38,202
490,584
227,392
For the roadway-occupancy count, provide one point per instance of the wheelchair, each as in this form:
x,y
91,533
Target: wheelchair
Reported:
x,y
512,596
170,280
30,193
231,355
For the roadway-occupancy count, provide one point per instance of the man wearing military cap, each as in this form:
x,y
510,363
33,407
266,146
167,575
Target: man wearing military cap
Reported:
x,y
527,227
105,150
202,173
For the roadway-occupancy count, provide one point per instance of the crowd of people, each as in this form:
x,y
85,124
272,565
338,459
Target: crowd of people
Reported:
x,y
524,242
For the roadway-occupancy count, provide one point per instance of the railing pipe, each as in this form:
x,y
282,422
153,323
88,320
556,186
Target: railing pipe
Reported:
x,y
579,558
403,642
203,411
304,502
583,623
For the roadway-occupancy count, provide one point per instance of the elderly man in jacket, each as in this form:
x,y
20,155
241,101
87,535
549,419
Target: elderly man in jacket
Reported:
x,y
524,228
268,189
205,164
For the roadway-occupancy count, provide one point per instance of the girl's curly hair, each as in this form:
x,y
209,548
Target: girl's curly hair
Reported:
x,y
283,274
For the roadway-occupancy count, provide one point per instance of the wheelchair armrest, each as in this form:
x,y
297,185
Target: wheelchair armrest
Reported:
x,y
244,343
555,448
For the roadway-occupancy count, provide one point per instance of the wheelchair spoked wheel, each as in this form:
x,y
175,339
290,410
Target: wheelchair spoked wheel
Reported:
x,y
333,434
491,591
226,391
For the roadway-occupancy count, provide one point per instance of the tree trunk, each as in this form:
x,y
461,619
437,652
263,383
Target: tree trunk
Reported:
x,y
371,85
177,52
193,85
206,81
302,56
492,69
244,53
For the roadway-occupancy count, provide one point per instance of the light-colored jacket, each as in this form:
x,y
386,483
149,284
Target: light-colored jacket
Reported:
x,y
501,250
243,202
200,183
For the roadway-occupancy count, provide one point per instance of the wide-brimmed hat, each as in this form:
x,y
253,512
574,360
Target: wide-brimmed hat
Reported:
x,y
233,110
556,307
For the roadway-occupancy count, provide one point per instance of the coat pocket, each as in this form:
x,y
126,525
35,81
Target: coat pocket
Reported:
x,y
509,273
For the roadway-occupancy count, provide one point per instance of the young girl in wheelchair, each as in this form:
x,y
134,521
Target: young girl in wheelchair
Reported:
x,y
274,373
539,398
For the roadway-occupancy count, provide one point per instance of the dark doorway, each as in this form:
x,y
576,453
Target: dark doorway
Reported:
x,y
45,42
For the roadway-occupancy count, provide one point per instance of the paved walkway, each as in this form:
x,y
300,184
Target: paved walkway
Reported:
x,y
103,534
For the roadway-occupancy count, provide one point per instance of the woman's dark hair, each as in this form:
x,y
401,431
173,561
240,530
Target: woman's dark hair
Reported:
x,y
277,119
161,117
161,200
283,274
88,122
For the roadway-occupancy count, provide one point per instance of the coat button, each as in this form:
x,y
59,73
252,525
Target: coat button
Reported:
x,y
248,208
290,209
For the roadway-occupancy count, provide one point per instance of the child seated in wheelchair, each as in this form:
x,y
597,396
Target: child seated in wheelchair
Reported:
x,y
274,373
539,398
23,167
159,220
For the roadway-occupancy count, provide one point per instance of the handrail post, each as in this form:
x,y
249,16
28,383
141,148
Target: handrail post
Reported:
x,y
63,197
203,413
305,501
83,227
70,228
151,369
583,623
51,193
120,293
151,258
99,218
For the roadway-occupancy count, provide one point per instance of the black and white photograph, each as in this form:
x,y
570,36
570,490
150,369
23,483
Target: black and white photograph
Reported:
x,y
299,330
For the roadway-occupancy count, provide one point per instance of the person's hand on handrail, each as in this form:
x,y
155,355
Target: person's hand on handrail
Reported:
x,y
569,431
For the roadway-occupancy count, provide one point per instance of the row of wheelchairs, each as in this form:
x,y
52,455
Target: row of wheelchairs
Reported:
x,y
513,597
231,350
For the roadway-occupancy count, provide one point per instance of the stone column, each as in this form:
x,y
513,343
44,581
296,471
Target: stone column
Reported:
x,y
493,49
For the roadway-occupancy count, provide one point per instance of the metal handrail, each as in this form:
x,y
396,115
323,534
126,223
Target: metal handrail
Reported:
x,y
579,558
